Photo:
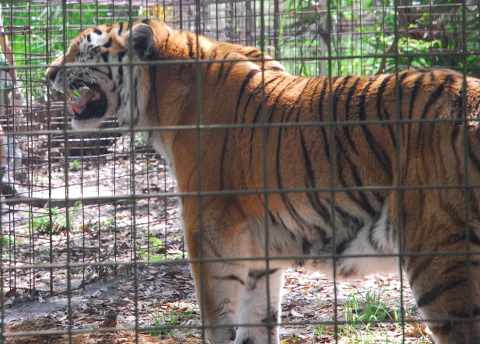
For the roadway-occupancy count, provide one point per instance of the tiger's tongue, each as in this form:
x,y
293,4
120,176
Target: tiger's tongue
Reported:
x,y
78,105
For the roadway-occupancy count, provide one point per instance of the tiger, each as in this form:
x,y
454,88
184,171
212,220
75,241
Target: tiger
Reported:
x,y
348,175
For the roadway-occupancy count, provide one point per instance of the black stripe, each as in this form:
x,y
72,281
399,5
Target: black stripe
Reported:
x,y
346,128
105,56
254,94
336,95
449,209
306,246
362,199
146,21
413,98
191,54
227,72
313,197
273,220
435,95
120,28
471,154
245,82
321,105
222,160
380,92
213,54
121,55
257,114
235,278
167,40
421,264
314,92
279,96
291,210
222,64
253,51
257,274
89,39
295,103
109,43
119,102
276,69
120,75
466,314
429,297
375,147
371,231
97,31
342,246
457,265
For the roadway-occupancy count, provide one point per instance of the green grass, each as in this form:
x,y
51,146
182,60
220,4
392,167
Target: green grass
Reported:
x,y
53,220
168,321
370,319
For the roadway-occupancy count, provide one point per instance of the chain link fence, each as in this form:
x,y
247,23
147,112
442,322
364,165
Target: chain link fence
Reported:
x,y
92,238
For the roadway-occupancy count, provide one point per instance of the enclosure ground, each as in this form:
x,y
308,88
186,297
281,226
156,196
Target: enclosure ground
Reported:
x,y
165,298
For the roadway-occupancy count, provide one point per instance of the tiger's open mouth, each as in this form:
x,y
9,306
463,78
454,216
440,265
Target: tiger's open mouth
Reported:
x,y
86,102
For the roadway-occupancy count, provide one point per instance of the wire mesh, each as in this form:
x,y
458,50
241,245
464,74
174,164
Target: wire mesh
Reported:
x,y
91,221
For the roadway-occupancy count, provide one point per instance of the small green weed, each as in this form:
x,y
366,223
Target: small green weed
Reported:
x,y
75,165
168,321
108,223
53,221
6,243
367,311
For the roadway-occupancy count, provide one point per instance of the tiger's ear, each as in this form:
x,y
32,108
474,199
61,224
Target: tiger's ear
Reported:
x,y
143,41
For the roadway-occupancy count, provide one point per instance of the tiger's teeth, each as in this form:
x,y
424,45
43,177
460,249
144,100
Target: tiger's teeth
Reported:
x,y
96,96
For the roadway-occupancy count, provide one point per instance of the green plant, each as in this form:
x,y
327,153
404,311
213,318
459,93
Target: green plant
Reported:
x,y
406,36
321,330
6,243
367,311
166,323
108,223
156,242
75,165
53,221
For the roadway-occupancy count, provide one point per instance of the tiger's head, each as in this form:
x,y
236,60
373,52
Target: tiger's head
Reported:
x,y
99,73
117,69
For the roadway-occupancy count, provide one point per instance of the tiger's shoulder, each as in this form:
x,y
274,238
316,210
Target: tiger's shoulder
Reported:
x,y
181,44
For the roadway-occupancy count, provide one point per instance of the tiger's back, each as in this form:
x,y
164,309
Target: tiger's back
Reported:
x,y
346,174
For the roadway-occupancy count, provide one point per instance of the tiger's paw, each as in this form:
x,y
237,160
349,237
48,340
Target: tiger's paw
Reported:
x,y
256,335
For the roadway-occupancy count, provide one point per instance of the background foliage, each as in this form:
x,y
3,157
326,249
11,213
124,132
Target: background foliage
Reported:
x,y
363,37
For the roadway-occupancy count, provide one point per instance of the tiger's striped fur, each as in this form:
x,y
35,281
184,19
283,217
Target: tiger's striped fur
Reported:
x,y
369,185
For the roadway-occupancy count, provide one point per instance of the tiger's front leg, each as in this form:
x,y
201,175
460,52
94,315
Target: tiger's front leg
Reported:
x,y
232,292
219,277
260,305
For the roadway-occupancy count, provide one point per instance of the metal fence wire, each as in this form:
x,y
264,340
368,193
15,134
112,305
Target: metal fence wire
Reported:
x,y
92,225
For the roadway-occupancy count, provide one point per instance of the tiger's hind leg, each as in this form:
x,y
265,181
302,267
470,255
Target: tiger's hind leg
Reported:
x,y
447,287
259,307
